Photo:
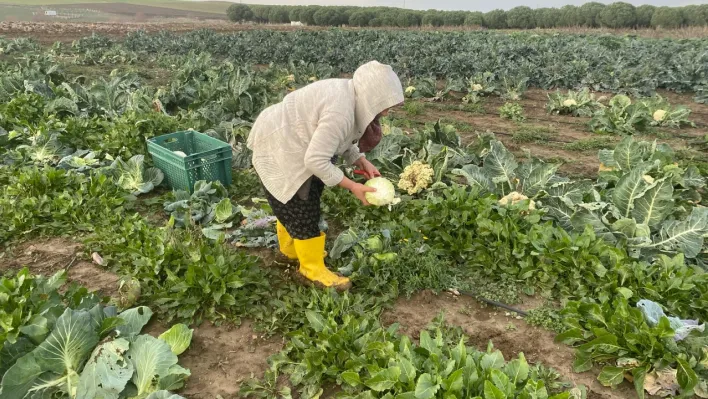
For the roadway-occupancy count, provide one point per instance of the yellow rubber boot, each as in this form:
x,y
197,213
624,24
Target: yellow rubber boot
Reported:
x,y
286,243
312,265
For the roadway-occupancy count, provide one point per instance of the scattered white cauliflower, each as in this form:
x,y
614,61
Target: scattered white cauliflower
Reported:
x,y
416,177
180,153
659,115
515,197
570,103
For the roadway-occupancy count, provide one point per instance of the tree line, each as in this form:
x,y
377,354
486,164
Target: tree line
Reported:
x,y
591,15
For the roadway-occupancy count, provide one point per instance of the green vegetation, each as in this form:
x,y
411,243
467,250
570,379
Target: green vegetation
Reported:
x,y
512,111
73,162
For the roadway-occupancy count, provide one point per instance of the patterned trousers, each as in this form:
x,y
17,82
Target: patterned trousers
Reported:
x,y
300,215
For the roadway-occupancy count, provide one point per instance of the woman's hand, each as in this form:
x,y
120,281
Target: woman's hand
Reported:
x,y
370,171
359,190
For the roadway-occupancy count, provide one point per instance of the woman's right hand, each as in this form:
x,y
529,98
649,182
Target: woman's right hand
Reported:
x,y
360,190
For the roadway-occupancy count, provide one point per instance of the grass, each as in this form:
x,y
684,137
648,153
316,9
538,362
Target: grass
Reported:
x,y
533,134
459,125
594,143
477,108
414,108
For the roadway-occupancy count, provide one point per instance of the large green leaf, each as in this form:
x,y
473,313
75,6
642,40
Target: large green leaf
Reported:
x,y
682,236
535,175
55,363
152,360
628,153
500,164
517,370
655,204
164,395
135,319
106,373
475,177
685,376
629,187
611,376
178,337
384,379
426,387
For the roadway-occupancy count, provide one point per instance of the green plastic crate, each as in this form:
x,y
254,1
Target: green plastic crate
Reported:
x,y
207,159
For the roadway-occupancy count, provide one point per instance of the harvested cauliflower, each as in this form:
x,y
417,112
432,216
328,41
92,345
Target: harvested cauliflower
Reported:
x,y
416,177
515,197
570,103
659,115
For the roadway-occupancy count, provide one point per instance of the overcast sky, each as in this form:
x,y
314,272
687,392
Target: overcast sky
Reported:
x,y
465,4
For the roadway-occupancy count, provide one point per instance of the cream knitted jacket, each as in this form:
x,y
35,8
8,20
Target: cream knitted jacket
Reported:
x,y
297,138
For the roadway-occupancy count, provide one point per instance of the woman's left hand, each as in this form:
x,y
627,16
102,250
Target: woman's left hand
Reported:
x,y
370,171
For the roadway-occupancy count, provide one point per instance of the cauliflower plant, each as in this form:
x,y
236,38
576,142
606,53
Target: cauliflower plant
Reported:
x,y
515,197
416,177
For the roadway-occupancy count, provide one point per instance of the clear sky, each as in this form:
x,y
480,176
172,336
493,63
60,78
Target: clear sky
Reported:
x,y
464,4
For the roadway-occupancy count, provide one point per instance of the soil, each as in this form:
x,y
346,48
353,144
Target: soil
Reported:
x,y
220,358
484,324
48,256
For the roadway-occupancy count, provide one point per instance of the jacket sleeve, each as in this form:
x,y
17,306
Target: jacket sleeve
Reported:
x,y
331,130
353,154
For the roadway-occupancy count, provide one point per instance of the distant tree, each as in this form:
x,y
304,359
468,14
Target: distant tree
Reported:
x,y
619,15
453,18
474,18
307,14
294,14
495,19
590,13
360,18
521,17
644,15
279,15
695,15
324,16
546,17
569,16
432,18
260,13
667,17
239,13
408,19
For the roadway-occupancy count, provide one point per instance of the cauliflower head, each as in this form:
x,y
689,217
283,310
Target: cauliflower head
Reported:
x,y
477,87
410,90
659,115
416,177
515,197
570,103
